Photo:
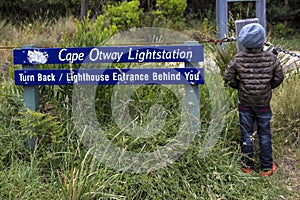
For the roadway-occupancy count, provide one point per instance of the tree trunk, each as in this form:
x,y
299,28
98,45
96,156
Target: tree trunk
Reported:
x,y
286,6
84,8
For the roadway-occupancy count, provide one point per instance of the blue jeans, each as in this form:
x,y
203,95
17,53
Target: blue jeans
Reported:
x,y
251,119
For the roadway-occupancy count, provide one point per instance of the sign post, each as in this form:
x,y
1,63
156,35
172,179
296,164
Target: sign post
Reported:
x,y
31,97
193,101
222,15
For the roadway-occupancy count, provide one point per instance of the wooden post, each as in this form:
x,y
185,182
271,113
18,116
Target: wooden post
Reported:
x,y
31,99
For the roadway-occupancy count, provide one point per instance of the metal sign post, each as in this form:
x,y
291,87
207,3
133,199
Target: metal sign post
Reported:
x,y
193,101
31,97
222,15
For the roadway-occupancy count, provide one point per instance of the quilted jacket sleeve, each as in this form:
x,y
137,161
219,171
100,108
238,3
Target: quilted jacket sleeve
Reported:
x,y
230,75
277,75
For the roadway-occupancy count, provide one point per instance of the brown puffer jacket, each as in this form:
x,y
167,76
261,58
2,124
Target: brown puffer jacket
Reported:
x,y
254,73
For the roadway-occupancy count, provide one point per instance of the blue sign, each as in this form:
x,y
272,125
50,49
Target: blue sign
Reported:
x,y
110,76
109,54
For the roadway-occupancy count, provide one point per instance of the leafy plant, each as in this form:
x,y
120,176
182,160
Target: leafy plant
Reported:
x,y
44,135
45,129
223,54
170,12
89,33
124,15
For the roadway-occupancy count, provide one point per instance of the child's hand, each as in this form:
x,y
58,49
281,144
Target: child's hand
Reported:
x,y
274,51
268,47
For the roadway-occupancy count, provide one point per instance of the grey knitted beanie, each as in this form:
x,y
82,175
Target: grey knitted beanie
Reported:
x,y
252,36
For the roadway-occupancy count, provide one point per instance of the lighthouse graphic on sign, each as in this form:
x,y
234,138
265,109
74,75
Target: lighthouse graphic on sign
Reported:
x,y
37,57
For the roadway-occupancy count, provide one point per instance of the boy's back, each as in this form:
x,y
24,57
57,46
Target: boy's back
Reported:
x,y
254,73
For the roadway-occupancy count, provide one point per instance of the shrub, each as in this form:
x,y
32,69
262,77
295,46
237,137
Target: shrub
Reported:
x,y
89,32
124,15
170,13
171,10
281,30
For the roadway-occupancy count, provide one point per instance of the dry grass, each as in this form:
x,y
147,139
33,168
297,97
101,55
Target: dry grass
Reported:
x,y
41,34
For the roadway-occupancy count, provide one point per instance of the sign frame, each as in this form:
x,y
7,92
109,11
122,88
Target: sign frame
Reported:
x,y
38,56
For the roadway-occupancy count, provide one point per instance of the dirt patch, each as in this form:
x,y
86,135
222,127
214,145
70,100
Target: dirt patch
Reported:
x,y
290,170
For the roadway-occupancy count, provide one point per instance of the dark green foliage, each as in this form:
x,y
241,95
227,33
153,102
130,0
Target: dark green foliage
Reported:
x,y
37,9
176,10
287,12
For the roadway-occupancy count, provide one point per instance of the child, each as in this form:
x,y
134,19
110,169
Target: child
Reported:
x,y
255,72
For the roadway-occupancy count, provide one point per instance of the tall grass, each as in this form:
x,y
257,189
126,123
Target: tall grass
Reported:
x,y
286,107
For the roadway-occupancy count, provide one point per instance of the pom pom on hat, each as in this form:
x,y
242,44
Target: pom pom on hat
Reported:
x,y
252,36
